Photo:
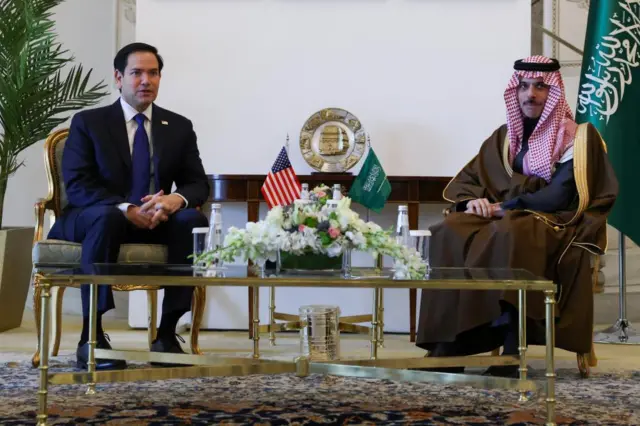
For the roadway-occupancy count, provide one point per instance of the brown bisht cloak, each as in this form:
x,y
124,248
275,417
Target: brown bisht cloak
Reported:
x,y
559,247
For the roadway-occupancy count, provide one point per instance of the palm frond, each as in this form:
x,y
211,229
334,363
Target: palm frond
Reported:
x,y
39,84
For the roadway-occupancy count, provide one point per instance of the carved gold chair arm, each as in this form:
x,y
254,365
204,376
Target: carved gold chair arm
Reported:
x,y
40,208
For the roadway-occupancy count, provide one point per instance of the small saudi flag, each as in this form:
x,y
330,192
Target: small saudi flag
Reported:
x,y
371,187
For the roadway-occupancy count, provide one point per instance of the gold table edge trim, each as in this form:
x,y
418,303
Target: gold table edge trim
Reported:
x,y
149,374
257,282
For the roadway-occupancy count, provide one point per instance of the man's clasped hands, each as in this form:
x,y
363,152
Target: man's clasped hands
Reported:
x,y
156,208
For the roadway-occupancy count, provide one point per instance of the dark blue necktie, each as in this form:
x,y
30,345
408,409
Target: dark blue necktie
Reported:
x,y
140,163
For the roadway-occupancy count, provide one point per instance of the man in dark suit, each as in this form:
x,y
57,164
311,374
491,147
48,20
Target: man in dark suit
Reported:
x,y
119,165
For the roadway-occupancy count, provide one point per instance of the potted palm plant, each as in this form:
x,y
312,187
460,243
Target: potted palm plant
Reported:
x,y
39,88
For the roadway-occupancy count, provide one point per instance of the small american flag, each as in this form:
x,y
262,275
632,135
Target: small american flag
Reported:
x,y
281,186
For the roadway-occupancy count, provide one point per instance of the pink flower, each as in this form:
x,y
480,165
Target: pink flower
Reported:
x,y
300,228
334,232
321,194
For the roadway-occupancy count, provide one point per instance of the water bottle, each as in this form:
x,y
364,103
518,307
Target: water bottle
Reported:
x,y
304,194
214,239
337,192
402,226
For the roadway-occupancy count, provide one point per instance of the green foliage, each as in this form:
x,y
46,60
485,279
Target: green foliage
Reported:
x,y
325,238
311,222
39,87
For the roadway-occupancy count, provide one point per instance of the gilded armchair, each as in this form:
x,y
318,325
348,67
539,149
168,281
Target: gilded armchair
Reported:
x,y
57,253
586,360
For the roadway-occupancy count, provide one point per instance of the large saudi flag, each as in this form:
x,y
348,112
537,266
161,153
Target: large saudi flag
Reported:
x,y
609,98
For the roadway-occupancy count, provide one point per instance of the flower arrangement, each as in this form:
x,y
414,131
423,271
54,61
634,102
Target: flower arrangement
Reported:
x,y
315,226
321,194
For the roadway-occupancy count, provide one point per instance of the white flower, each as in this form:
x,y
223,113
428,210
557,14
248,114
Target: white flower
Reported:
x,y
275,216
357,239
334,250
373,227
263,240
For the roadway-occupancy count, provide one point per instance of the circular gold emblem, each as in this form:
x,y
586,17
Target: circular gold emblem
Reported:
x,y
332,140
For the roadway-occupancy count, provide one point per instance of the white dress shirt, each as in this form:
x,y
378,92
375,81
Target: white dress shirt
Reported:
x,y
132,125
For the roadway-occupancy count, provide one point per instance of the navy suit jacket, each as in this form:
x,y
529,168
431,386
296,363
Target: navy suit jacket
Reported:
x,y
96,164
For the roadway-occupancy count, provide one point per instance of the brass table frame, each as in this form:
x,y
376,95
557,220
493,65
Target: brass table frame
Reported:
x,y
346,323
208,365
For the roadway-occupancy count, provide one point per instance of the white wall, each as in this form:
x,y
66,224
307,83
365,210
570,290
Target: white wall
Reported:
x,y
426,79
569,21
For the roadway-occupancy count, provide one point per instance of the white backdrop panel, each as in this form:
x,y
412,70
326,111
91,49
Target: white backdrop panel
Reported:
x,y
425,77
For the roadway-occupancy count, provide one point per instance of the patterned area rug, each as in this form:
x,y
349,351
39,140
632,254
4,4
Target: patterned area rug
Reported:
x,y
604,399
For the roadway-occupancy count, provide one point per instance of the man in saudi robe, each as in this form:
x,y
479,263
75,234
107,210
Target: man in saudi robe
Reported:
x,y
535,197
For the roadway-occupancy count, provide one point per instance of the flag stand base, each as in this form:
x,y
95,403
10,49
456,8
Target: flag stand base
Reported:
x,y
620,333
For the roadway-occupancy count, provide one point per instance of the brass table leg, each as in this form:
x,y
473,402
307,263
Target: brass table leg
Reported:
x,y
302,366
550,341
380,303
250,311
272,310
93,321
522,333
374,324
256,322
45,296
381,318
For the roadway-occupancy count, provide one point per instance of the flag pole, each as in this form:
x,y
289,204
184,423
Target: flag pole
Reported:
x,y
622,331
368,149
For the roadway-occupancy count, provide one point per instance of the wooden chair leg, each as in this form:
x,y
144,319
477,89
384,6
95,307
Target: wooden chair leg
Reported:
x,y
413,296
583,365
586,361
197,313
593,359
58,295
152,321
37,313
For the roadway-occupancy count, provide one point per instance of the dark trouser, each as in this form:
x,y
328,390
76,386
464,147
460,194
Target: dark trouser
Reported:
x,y
486,337
102,229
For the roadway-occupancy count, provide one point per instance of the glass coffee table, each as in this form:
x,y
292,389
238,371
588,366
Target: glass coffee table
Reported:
x,y
240,276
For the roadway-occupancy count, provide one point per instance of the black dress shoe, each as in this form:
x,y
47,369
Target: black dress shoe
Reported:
x,y
168,344
82,356
508,371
